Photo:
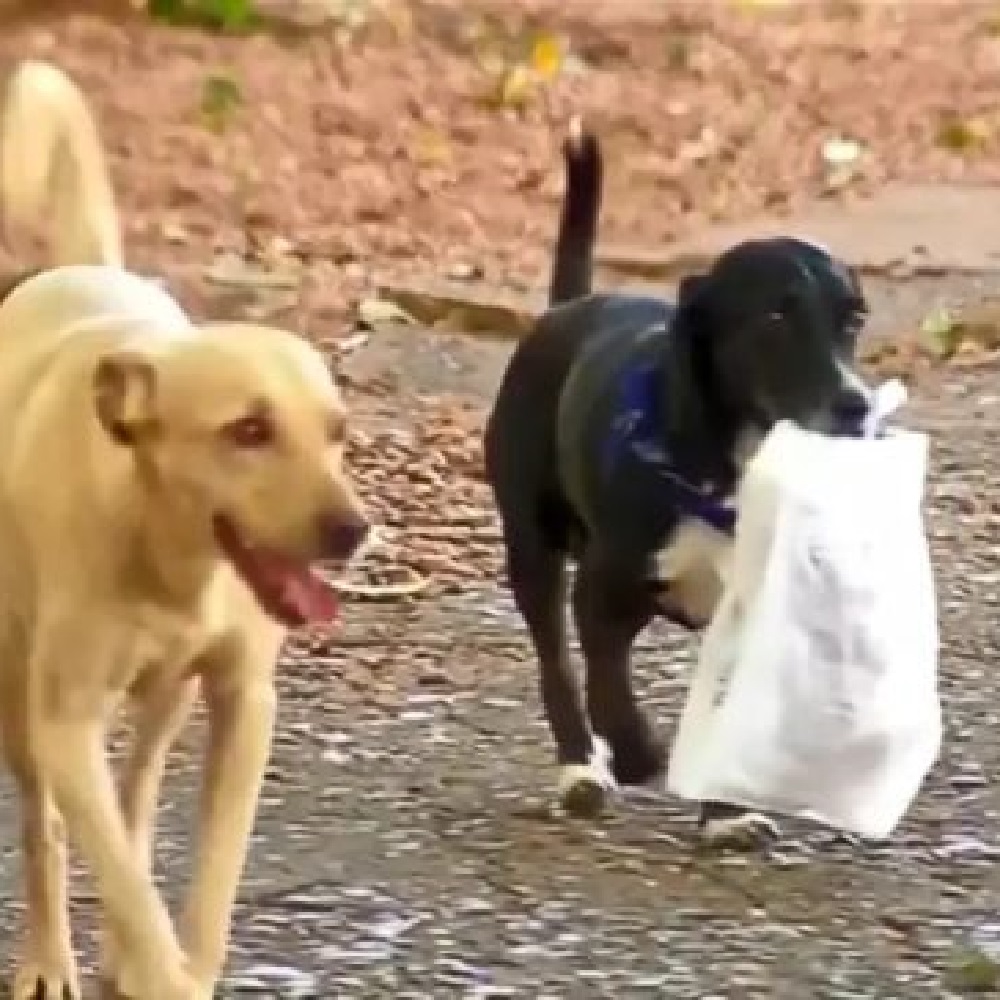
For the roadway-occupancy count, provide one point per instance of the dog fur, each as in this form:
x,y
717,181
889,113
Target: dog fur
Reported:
x,y
766,333
164,487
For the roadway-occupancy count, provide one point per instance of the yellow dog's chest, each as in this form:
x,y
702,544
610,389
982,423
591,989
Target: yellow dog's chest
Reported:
x,y
151,643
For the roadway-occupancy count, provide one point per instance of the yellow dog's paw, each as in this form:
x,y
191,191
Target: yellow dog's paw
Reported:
x,y
46,979
174,991
128,982
122,977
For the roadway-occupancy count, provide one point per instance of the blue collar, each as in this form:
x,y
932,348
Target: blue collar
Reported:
x,y
636,433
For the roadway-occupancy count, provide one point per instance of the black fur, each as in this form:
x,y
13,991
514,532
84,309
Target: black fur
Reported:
x,y
767,333
574,265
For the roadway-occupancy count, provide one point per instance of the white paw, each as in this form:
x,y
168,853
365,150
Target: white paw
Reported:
x,y
749,831
584,789
600,760
51,979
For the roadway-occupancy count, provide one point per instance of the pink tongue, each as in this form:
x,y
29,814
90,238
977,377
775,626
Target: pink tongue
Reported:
x,y
313,598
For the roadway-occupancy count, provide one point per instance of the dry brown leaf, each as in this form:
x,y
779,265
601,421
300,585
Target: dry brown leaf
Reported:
x,y
964,134
374,312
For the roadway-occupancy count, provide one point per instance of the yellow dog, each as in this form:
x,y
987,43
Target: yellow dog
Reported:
x,y
164,488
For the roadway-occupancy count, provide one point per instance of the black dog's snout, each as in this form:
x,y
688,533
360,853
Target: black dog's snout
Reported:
x,y
851,409
342,535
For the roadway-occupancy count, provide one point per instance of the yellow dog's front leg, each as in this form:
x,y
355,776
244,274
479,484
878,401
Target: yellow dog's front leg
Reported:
x,y
241,701
66,709
160,712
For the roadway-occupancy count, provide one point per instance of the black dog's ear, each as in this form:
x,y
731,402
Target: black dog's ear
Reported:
x,y
691,292
692,322
690,391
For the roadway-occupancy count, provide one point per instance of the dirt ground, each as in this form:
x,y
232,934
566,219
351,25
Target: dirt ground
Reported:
x,y
405,846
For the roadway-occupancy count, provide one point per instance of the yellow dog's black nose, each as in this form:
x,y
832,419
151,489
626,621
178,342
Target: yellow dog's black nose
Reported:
x,y
342,534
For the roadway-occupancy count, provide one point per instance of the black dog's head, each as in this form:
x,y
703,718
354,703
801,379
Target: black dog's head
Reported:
x,y
769,333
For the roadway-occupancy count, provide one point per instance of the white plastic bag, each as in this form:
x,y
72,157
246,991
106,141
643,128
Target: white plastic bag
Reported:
x,y
816,688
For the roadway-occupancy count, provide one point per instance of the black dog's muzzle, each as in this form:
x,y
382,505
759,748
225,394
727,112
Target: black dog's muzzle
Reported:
x,y
851,409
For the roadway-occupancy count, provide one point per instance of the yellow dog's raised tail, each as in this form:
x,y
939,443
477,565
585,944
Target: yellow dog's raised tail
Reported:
x,y
53,174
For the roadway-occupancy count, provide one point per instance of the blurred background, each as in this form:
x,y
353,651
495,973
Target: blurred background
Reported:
x,y
422,136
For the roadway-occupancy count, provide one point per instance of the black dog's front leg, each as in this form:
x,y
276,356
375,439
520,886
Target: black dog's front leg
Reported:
x,y
611,606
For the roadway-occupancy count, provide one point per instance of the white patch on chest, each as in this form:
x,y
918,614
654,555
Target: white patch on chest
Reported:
x,y
691,568
693,564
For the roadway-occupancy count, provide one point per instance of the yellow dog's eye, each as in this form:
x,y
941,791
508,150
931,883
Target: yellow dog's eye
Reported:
x,y
249,432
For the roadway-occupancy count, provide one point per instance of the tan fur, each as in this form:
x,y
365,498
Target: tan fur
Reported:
x,y
112,584
692,563
56,165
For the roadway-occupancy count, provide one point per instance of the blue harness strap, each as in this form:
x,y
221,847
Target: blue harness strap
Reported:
x,y
613,462
635,435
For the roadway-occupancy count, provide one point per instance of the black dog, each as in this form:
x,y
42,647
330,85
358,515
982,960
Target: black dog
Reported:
x,y
619,431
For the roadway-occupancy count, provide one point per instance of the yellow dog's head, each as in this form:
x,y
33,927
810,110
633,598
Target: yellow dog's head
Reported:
x,y
239,432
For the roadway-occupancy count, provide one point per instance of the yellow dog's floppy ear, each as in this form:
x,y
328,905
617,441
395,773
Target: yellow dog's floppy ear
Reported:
x,y
124,395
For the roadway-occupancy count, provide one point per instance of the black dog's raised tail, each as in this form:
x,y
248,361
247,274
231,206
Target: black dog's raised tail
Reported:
x,y
572,272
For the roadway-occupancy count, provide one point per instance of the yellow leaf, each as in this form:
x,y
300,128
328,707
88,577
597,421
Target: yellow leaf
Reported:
x,y
547,55
516,87
432,147
400,19
756,5
940,329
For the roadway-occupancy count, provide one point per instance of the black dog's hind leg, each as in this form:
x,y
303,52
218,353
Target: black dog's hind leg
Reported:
x,y
722,825
537,575
611,607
